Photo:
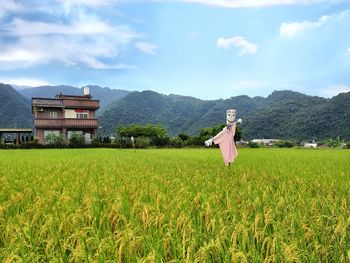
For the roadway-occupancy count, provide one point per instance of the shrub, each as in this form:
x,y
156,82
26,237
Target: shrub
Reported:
x,y
334,142
183,136
77,140
95,143
194,141
175,142
142,142
284,144
55,140
106,140
160,141
124,142
253,144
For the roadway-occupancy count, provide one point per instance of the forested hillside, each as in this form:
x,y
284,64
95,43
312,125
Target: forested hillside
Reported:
x,y
15,110
283,114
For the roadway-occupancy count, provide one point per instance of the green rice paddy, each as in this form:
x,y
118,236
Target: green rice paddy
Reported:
x,y
174,205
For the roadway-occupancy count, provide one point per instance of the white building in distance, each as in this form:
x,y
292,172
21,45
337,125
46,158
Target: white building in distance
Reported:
x,y
268,142
310,145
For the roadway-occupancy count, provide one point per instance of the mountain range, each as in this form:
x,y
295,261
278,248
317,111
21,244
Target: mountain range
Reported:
x,y
283,114
105,95
15,109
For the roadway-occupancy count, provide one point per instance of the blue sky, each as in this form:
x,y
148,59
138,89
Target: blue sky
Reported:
x,y
202,48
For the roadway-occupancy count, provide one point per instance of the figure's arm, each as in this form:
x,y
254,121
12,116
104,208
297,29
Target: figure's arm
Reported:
x,y
209,142
220,136
216,139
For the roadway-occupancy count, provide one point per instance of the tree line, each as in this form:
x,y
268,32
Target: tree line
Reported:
x,y
156,135
145,136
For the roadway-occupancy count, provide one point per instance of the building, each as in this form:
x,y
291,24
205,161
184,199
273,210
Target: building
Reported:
x,y
267,142
67,115
14,135
310,145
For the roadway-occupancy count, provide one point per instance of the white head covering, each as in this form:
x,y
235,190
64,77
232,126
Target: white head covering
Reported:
x,y
230,117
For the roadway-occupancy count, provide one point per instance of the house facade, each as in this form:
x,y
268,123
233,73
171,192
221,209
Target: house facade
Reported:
x,y
67,115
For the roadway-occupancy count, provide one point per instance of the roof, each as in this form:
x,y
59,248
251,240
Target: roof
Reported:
x,y
66,102
63,96
15,130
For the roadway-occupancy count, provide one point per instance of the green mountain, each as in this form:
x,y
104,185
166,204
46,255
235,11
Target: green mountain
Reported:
x,y
283,114
176,113
15,110
292,115
105,95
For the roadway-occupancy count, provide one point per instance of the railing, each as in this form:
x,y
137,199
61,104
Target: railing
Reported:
x,y
47,102
88,123
70,103
66,123
48,123
81,103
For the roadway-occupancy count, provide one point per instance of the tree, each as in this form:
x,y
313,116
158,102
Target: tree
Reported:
x,y
135,130
208,132
284,144
334,142
183,136
238,134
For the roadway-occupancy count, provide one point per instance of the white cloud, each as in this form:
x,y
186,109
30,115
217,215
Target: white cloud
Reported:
x,y
244,46
67,33
86,41
83,26
335,90
86,2
19,27
290,30
70,50
219,3
253,3
8,6
146,47
349,49
25,82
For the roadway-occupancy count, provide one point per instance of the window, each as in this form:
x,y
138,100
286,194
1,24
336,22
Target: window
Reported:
x,y
73,133
53,115
46,133
70,114
83,115
88,137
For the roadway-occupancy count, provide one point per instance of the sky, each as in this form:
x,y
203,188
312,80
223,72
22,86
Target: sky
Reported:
x,y
208,49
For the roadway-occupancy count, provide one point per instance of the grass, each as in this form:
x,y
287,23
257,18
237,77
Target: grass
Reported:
x,y
108,205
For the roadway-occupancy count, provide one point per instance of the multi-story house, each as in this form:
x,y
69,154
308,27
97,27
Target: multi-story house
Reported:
x,y
67,115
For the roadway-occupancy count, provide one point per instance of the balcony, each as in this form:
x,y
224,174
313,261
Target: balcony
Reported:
x,y
47,102
83,104
66,123
68,103
83,123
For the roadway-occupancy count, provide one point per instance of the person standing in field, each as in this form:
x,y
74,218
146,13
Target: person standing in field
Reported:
x,y
225,138
132,140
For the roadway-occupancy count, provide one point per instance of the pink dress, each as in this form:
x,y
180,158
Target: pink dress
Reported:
x,y
227,144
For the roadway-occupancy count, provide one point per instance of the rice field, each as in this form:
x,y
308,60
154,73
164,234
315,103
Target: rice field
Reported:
x,y
174,205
